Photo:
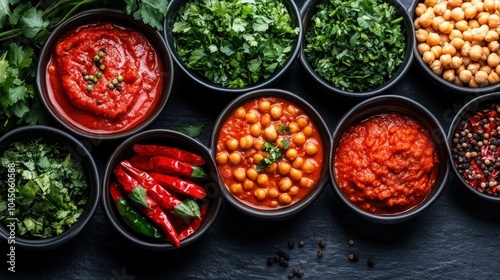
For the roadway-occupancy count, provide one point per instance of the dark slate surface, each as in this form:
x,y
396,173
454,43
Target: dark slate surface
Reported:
x,y
456,238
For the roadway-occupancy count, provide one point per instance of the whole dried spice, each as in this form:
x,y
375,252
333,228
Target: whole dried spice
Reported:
x,y
476,149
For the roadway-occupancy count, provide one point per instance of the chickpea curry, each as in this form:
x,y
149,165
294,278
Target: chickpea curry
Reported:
x,y
269,153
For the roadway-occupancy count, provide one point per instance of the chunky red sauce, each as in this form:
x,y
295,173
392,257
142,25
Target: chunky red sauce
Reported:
x,y
386,164
104,78
290,135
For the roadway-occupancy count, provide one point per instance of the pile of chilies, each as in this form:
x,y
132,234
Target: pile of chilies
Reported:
x,y
149,187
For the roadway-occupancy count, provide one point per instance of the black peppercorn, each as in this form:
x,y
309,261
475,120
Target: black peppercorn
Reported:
x,y
350,242
320,253
353,257
301,243
370,262
322,243
291,244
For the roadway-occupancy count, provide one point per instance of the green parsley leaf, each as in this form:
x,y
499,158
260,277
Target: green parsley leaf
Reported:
x,y
32,22
273,154
284,129
191,130
151,12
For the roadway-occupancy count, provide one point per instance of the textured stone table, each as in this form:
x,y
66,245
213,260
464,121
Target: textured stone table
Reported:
x,y
456,238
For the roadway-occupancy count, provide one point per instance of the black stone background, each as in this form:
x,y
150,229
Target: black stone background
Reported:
x,y
456,238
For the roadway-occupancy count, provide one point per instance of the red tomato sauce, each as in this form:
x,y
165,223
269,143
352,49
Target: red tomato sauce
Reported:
x,y
127,82
386,164
283,126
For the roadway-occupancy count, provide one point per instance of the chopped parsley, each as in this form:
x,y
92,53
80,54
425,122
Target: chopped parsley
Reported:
x,y
355,44
273,154
234,43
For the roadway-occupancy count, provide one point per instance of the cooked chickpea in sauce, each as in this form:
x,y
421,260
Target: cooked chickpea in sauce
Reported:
x,y
269,153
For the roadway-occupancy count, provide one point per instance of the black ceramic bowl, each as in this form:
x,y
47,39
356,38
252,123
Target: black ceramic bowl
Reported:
x,y
460,155
272,208
78,152
438,79
310,9
404,106
119,18
173,10
124,151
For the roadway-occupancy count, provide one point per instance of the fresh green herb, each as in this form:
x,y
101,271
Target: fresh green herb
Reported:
x,y
285,143
284,129
150,12
234,43
50,188
138,196
273,154
355,44
192,130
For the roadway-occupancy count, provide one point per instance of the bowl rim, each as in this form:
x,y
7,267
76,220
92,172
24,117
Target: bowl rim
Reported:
x,y
462,90
470,107
108,208
297,207
440,143
308,10
94,186
111,15
293,56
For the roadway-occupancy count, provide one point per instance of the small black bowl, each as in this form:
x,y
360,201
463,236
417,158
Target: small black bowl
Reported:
x,y
80,153
94,16
310,9
199,78
405,106
213,198
271,213
438,80
469,109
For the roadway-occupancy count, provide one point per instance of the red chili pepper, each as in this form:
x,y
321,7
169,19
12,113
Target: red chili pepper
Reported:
x,y
178,154
153,211
179,185
166,200
167,165
195,224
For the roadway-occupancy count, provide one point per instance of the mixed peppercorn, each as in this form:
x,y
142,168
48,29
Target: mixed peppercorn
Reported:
x,y
476,149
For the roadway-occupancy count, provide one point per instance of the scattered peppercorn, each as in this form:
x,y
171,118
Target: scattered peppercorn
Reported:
x,y
370,262
301,243
350,242
322,243
296,272
353,257
320,253
291,244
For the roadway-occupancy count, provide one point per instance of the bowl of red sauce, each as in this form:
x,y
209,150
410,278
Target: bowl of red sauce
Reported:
x,y
271,151
389,159
102,74
474,143
178,180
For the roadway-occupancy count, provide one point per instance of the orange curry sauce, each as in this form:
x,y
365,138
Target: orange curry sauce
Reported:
x,y
386,164
95,105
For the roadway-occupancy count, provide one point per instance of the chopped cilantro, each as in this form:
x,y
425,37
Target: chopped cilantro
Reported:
x,y
234,43
191,130
355,44
284,129
273,154
50,188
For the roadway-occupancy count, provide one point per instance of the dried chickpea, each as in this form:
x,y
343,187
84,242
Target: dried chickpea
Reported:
x,y
292,110
271,168
284,168
464,51
473,83
270,133
476,52
294,190
295,174
465,76
456,61
255,129
222,157
309,166
260,194
273,193
246,142
423,47
299,138
458,43
449,75
449,49
455,33
493,78
497,69
308,130
468,35
493,60
436,67
311,149
482,17
232,144
302,121
265,120
248,185
284,199
494,20
470,12
291,154
439,8
425,20
420,9
489,6
446,27
298,162
276,111
416,24
236,188
491,36
473,67
234,158
494,46
252,174
436,21
306,182
436,50
264,106
486,68
473,23
462,25
430,3
239,174
454,3
262,180
433,39
285,184
485,54
457,14
457,81
478,33
445,60
240,113
421,35
444,38
481,77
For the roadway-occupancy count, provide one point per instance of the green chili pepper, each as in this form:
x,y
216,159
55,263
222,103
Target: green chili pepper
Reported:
x,y
134,219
